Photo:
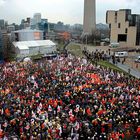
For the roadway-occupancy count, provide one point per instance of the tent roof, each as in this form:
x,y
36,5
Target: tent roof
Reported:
x,y
27,44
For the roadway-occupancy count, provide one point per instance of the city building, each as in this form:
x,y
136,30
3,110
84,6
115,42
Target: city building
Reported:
x,y
37,18
24,24
32,23
2,24
59,26
29,48
76,31
10,28
1,47
6,24
28,20
44,26
7,50
65,36
51,27
27,35
52,36
89,24
35,21
124,27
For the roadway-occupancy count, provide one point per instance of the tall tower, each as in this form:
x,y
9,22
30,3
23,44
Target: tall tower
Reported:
x,y
89,16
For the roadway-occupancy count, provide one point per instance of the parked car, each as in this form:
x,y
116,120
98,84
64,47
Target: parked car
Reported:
x,y
114,45
121,54
137,59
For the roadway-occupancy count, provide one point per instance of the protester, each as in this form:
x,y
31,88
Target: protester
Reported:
x,y
67,98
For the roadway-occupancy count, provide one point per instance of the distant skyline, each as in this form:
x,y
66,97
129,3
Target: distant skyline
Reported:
x,y
67,11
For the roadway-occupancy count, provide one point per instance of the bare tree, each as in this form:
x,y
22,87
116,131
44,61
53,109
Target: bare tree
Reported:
x,y
95,37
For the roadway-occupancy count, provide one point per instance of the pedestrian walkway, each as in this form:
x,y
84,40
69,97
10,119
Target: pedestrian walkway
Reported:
x,y
128,69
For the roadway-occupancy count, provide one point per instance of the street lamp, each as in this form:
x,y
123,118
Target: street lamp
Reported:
x,y
86,35
86,39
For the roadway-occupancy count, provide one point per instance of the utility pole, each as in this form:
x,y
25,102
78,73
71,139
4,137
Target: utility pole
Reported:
x,y
86,39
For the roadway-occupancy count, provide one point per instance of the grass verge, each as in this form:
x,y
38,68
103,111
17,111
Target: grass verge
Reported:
x,y
38,56
75,50
60,46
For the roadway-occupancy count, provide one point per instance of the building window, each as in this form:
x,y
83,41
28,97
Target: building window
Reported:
x,y
116,17
122,37
126,30
109,26
119,25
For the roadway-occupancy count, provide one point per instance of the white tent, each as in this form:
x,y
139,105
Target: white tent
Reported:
x,y
28,48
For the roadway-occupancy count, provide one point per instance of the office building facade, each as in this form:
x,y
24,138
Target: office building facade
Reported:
x,y
2,24
27,35
124,27
44,26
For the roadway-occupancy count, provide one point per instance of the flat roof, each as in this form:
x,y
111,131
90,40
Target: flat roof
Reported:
x,y
35,43
119,10
27,30
124,9
23,47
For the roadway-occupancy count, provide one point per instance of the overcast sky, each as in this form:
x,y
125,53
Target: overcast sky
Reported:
x,y
68,11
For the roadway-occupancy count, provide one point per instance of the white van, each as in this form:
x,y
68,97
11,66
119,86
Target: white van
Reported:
x,y
137,59
121,54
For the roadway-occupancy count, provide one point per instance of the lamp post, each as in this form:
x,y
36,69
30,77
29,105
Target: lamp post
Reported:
x,y
86,39
86,36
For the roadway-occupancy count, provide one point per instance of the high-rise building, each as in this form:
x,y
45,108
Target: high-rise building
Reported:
x,y
37,18
10,28
35,21
32,23
2,24
5,24
89,16
44,26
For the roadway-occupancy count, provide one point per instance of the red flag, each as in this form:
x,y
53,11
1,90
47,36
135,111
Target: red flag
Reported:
x,y
55,104
100,112
138,130
1,133
7,112
72,118
89,112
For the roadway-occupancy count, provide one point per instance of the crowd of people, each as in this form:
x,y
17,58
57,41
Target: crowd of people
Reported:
x,y
99,55
67,98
